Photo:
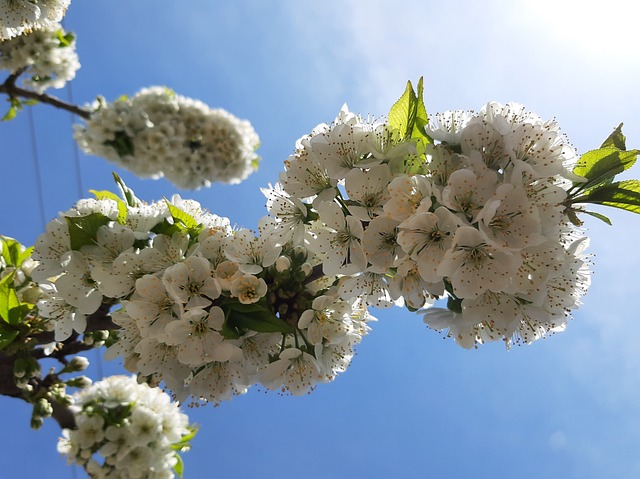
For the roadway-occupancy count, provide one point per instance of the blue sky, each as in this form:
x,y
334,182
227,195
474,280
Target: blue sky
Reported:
x,y
411,404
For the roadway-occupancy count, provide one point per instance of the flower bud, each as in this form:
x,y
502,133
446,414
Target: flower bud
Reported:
x,y
79,382
77,363
42,408
282,264
306,268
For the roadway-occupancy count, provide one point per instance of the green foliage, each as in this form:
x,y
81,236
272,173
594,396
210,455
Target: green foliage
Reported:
x,y
599,169
8,299
127,193
122,206
15,106
616,139
83,230
122,143
65,39
7,336
181,217
254,317
408,116
622,194
13,252
602,165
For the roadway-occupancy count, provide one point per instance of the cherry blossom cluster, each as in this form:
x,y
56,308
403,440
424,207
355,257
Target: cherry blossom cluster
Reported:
x,y
158,133
47,57
125,430
477,218
206,310
19,16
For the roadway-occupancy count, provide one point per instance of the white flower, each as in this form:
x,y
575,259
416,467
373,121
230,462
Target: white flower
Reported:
x,y
426,237
509,219
191,283
248,289
372,287
407,194
474,266
467,192
340,149
253,254
447,127
295,370
340,243
380,243
125,429
328,319
305,178
409,285
218,381
76,285
49,249
290,213
197,337
368,189
18,16
111,241
42,58
151,306
158,133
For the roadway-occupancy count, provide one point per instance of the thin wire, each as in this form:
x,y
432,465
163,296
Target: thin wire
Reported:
x,y
76,152
36,167
80,189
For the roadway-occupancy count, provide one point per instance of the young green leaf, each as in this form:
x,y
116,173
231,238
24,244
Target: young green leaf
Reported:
x,y
602,165
615,139
179,467
108,195
623,194
8,298
601,217
127,193
422,119
7,336
261,322
403,113
122,144
180,216
83,230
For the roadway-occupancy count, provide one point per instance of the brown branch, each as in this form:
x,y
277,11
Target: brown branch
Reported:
x,y
9,87
316,273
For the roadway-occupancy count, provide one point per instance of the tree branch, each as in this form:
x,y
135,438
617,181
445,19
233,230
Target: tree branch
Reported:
x,y
9,87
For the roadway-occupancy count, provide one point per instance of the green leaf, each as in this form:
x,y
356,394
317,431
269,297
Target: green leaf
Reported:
x,y
180,216
65,39
615,139
600,166
186,439
83,230
13,252
7,336
403,113
260,321
122,144
422,119
179,467
11,114
598,215
19,312
108,195
127,193
623,194
8,298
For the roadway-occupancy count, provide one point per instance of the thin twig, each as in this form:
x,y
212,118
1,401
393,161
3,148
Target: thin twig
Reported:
x,y
9,87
